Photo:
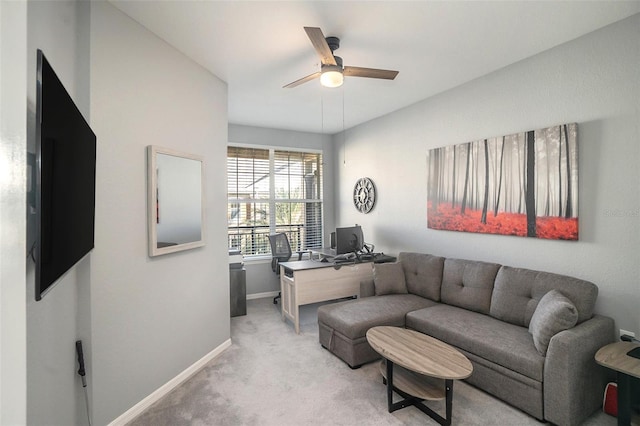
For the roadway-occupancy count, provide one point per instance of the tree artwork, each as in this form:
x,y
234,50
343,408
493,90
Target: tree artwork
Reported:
x,y
525,184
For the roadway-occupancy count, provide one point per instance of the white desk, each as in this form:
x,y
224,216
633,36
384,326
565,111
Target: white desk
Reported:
x,y
312,281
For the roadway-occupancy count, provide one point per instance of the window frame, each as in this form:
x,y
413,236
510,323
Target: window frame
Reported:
x,y
273,200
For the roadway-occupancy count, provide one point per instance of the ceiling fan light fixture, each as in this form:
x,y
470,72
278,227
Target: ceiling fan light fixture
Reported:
x,y
331,76
331,70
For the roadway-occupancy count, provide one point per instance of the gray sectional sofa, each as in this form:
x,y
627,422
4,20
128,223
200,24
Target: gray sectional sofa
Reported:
x,y
531,336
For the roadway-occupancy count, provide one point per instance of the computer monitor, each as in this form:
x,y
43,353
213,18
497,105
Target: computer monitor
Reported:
x,y
349,239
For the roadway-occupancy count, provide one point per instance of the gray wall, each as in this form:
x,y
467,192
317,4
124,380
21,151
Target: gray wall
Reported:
x,y
13,148
593,81
151,318
132,312
260,277
54,394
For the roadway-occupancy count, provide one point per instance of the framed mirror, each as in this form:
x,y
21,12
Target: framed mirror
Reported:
x,y
175,198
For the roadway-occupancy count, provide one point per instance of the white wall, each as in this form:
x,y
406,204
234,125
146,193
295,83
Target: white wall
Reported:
x,y
54,393
260,277
13,144
593,81
151,318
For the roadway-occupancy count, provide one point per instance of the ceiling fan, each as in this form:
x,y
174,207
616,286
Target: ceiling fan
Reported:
x,y
331,70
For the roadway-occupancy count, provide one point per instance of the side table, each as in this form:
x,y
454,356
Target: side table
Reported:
x,y
614,356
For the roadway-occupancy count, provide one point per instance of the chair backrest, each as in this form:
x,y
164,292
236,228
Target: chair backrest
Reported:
x,y
280,246
280,249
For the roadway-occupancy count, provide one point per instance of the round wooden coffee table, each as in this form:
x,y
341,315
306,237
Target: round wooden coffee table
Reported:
x,y
426,368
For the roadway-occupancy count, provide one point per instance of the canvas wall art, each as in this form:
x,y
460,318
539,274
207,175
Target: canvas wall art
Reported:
x,y
525,184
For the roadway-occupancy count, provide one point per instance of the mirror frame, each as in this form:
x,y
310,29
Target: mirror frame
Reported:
x,y
152,199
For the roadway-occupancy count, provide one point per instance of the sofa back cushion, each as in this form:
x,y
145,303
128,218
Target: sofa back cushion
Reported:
x,y
423,274
468,284
517,292
388,278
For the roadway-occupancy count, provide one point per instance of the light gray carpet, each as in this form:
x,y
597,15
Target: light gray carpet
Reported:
x,y
271,376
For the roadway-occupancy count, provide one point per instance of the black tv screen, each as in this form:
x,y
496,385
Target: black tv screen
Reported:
x,y
349,239
65,180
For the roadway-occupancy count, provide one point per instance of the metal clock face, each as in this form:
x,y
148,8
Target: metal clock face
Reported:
x,y
364,195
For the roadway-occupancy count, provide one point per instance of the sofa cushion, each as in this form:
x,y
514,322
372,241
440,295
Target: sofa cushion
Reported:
x,y
388,278
354,317
468,284
367,288
504,344
423,274
517,292
553,314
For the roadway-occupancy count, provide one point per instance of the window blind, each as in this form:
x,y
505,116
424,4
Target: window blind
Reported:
x,y
273,191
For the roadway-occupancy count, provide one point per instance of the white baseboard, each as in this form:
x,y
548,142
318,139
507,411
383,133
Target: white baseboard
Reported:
x,y
163,390
262,295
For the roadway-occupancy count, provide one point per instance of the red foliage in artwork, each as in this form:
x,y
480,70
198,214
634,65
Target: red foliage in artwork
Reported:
x,y
450,219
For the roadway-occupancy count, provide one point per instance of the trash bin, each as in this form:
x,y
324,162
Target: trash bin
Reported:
x,y
238,291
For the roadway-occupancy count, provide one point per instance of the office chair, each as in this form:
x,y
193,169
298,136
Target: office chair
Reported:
x,y
280,252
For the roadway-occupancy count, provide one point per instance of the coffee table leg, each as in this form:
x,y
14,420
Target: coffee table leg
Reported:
x,y
390,386
449,399
410,400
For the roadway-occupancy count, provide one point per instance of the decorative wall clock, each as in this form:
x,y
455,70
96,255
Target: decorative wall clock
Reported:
x,y
364,195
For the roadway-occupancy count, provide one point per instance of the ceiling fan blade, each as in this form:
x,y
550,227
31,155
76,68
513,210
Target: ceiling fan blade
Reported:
x,y
302,80
370,73
320,44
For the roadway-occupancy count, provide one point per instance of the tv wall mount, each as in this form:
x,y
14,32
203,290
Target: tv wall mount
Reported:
x,y
364,195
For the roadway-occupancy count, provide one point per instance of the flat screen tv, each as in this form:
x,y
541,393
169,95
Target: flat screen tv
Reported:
x,y
349,239
65,178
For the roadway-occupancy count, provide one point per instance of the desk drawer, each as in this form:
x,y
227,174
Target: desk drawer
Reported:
x,y
331,283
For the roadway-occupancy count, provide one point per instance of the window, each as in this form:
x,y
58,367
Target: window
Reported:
x,y
271,191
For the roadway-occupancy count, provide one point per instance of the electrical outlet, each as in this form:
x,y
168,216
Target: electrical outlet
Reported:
x,y
628,333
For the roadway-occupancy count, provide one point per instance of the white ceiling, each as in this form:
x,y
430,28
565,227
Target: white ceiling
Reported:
x,y
259,46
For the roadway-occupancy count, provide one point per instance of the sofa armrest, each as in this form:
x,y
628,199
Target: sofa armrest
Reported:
x,y
367,289
573,382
